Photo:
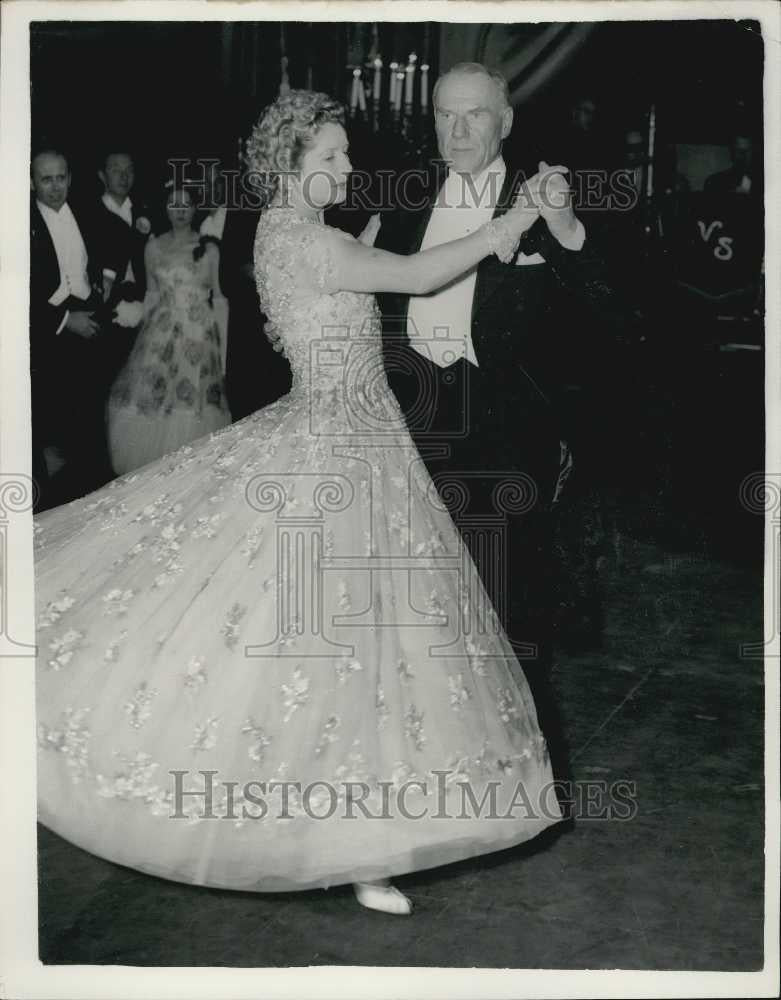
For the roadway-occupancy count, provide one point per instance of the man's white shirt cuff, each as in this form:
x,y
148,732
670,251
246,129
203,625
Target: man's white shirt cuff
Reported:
x,y
59,296
64,321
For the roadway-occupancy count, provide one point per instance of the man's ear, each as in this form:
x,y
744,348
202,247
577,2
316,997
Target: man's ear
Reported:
x,y
507,122
102,175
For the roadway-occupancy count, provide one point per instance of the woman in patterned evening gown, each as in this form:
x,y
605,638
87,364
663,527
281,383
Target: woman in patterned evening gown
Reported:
x,y
171,390
266,661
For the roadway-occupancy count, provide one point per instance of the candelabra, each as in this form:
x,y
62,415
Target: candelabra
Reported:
x,y
394,102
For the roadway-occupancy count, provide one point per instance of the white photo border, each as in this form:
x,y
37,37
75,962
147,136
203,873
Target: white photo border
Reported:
x,y
21,973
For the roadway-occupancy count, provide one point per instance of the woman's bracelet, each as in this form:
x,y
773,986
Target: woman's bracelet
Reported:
x,y
500,240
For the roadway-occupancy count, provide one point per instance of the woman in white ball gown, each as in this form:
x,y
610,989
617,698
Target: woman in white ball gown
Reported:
x,y
264,661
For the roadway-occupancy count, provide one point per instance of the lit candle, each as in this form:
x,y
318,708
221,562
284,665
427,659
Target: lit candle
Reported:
x,y
424,85
377,79
392,90
361,92
409,83
354,94
399,89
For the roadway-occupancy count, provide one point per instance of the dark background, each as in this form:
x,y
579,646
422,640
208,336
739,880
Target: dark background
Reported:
x,y
655,405
168,88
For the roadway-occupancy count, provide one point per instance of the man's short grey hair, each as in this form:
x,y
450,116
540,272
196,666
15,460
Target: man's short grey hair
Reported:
x,y
474,68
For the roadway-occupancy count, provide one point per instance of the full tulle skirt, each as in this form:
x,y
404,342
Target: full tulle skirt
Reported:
x,y
265,662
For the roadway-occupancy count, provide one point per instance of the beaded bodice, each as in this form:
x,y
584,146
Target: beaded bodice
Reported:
x,y
332,339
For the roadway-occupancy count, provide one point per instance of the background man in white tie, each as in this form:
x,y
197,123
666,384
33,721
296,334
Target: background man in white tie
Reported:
x,y
461,360
65,351
122,229
125,227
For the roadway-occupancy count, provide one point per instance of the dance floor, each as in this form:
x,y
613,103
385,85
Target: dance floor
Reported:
x,y
667,701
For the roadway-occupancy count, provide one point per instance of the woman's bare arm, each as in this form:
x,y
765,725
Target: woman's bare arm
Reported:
x,y
355,267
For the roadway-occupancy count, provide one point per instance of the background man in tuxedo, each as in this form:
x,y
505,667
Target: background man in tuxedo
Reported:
x,y
462,361
122,228
66,359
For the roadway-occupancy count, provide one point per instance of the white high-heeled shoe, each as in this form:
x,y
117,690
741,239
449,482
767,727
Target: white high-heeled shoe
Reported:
x,y
381,895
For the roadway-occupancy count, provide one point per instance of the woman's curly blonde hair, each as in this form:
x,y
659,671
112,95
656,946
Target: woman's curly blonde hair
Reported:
x,y
283,133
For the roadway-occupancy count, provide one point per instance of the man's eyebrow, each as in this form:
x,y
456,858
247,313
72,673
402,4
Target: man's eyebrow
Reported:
x,y
477,107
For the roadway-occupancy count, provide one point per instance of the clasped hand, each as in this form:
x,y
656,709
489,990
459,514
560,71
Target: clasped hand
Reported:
x,y
548,195
81,322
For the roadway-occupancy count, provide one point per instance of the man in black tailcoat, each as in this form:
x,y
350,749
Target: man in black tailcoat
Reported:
x,y
122,227
462,361
67,358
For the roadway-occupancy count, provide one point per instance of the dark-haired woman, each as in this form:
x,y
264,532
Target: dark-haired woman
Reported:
x,y
171,391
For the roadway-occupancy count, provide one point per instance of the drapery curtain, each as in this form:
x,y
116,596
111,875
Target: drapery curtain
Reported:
x,y
530,56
